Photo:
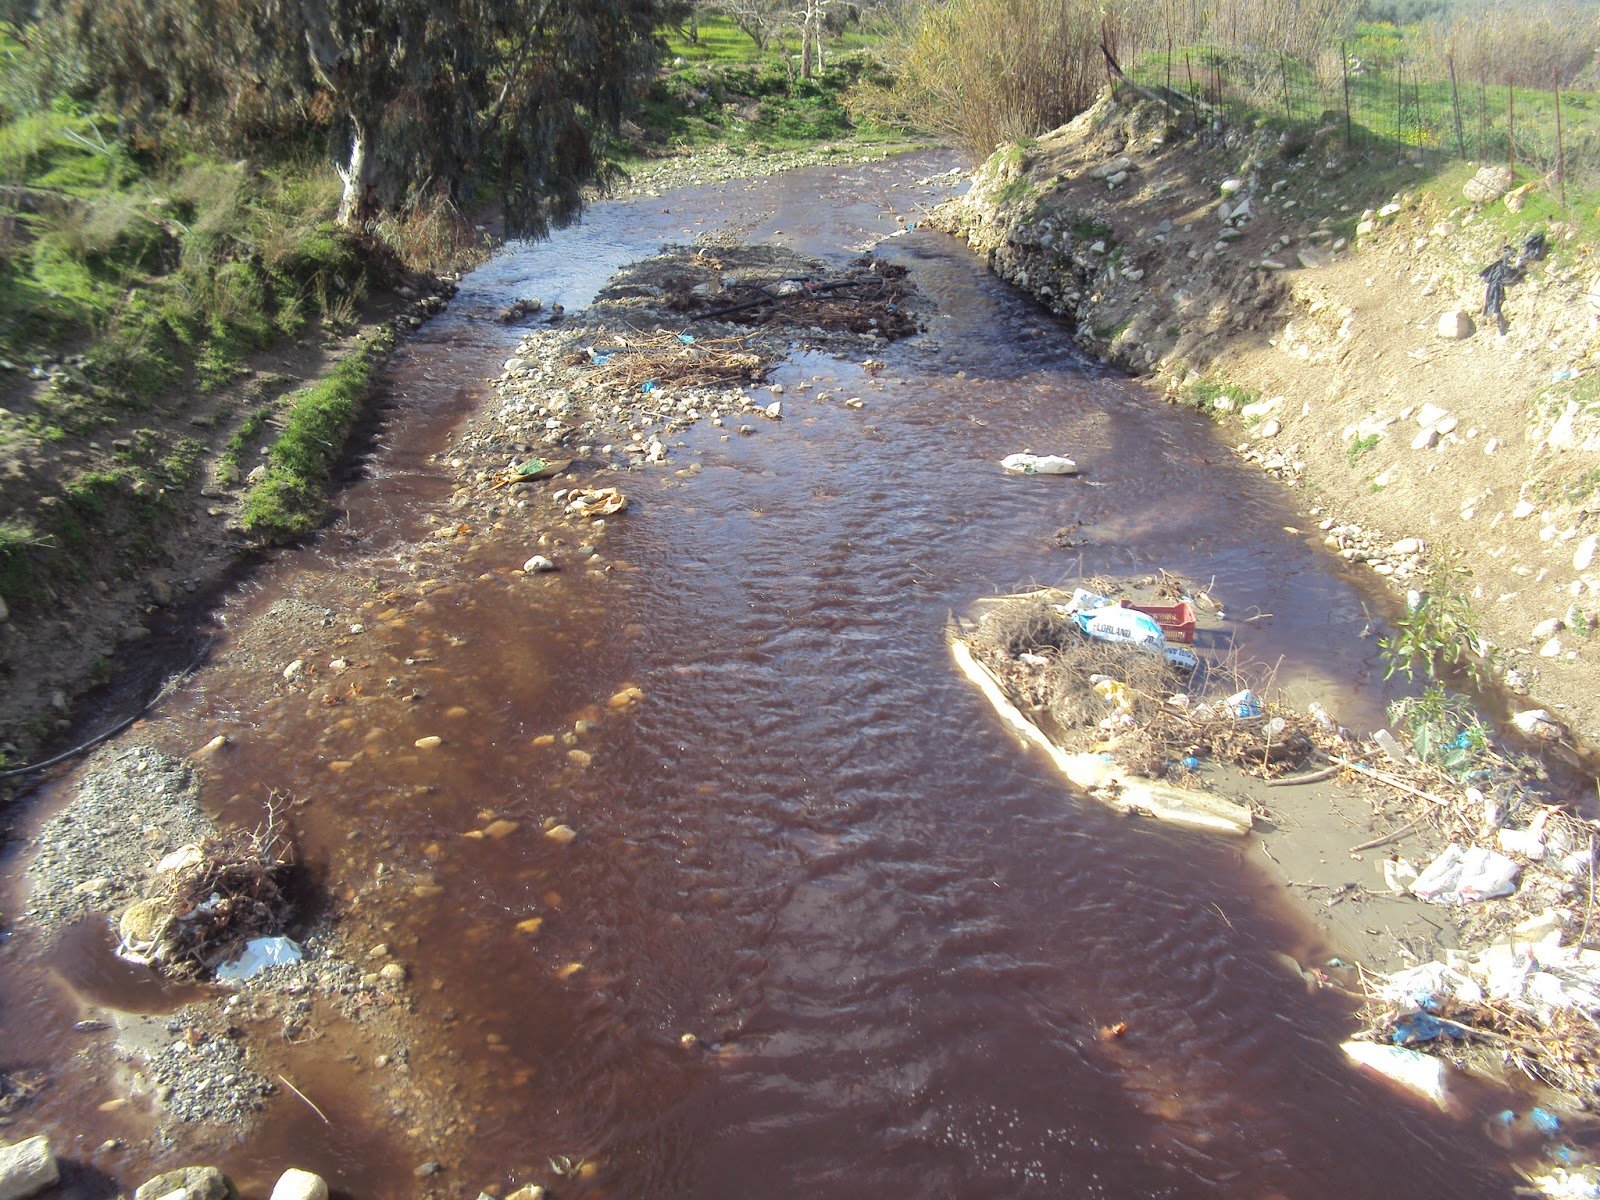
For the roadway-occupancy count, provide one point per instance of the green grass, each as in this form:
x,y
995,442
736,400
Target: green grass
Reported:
x,y
1204,393
291,499
166,268
721,90
1360,446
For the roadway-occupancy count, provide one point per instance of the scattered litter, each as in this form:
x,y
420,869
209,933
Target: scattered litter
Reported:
x,y
1039,464
1428,1077
595,502
1464,876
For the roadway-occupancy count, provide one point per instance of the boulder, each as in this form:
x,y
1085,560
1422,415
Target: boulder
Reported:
x,y
1456,326
188,1183
1488,185
295,1184
27,1168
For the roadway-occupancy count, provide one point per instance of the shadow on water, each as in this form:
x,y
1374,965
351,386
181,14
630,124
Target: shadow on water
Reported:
x,y
894,938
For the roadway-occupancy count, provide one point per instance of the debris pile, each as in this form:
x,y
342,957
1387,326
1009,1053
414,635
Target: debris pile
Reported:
x,y
1102,674
206,901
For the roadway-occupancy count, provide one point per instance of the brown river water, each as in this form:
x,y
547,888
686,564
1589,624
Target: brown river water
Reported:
x,y
895,936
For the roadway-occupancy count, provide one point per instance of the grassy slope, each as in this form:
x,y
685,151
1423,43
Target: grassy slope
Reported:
x,y
134,280
720,90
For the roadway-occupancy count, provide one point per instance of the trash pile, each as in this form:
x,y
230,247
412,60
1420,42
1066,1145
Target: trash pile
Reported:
x,y
209,902
649,361
1115,675
1516,873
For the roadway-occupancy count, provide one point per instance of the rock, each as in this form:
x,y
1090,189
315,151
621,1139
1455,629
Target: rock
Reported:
x,y
1456,325
1270,430
431,742
392,972
1448,425
537,564
1425,440
1261,408
5,612
1522,510
775,410
422,1172
27,1168
1583,556
1488,185
1406,546
1551,649
1230,186
1535,722
530,1192
294,670
561,833
189,1183
1547,629
1389,210
295,1184
1430,414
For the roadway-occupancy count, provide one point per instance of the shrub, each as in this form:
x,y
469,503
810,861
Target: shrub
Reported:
x,y
990,71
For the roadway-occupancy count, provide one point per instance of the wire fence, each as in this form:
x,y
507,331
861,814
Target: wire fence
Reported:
x,y
1378,96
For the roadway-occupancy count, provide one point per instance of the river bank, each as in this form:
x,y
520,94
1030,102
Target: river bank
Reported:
x,y
1253,277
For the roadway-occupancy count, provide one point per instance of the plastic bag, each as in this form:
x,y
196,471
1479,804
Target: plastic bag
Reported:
x,y
1462,876
259,954
1039,464
1117,624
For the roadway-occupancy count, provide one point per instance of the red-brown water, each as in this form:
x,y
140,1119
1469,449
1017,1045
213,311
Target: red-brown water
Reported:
x,y
895,936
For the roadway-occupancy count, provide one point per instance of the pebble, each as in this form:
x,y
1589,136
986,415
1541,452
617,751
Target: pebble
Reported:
x,y
538,564
431,742
561,833
427,1169
392,973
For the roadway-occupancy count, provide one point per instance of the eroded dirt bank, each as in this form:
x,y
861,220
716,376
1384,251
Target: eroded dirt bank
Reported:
x,y
1257,277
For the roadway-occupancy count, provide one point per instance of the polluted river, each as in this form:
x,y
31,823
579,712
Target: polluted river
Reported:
x,y
812,921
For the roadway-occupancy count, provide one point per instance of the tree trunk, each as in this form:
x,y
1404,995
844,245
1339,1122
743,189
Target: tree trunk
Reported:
x,y
358,204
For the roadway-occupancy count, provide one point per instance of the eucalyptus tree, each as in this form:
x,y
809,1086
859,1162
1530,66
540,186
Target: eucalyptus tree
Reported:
x,y
412,95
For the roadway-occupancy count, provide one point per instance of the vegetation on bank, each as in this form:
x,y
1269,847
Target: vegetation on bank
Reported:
x,y
288,500
166,216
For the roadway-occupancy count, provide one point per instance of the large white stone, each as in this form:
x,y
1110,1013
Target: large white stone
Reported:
x,y
1583,556
1456,325
295,1184
1431,414
27,1168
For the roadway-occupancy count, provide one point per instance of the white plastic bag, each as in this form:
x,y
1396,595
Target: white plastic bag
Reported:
x,y
1118,624
259,954
1462,876
1039,464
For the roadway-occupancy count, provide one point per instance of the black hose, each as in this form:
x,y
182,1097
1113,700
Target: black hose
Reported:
x,y
106,735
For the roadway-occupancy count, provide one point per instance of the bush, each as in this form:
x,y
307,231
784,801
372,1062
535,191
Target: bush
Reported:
x,y
990,71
